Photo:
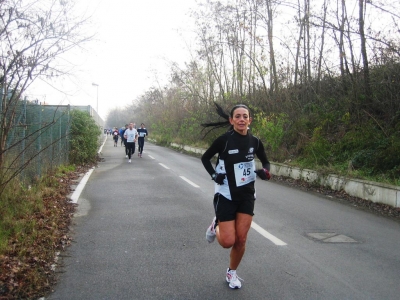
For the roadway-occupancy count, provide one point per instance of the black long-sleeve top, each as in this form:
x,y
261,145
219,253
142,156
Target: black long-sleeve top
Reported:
x,y
236,155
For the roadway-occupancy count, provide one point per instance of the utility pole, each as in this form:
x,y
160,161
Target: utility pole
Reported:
x,y
97,104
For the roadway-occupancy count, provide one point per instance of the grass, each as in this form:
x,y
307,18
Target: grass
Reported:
x,y
33,226
16,203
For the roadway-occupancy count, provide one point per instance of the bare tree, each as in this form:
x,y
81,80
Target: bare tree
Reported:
x,y
321,50
298,48
270,28
33,36
367,82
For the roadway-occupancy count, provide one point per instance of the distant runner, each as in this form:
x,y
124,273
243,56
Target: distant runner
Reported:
x,y
130,136
142,134
121,134
115,135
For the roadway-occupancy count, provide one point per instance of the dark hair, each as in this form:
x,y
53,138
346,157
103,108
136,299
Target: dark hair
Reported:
x,y
239,106
225,116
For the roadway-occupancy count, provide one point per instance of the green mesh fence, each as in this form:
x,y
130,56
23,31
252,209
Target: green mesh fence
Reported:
x,y
36,142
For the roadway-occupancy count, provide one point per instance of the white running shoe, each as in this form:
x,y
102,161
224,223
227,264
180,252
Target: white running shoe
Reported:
x,y
233,279
126,156
210,233
130,161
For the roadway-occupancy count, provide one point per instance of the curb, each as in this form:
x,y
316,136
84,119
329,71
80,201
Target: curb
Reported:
x,y
368,190
82,183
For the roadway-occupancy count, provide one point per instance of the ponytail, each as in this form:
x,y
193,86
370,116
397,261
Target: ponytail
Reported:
x,y
224,115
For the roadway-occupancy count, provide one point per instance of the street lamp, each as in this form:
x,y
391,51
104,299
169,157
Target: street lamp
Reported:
x,y
97,106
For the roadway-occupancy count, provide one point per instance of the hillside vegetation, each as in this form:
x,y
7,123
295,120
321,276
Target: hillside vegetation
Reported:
x,y
323,83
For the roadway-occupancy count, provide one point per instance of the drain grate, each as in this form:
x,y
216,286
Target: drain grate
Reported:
x,y
330,237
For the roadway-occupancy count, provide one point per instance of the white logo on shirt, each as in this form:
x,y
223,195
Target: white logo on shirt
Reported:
x,y
233,151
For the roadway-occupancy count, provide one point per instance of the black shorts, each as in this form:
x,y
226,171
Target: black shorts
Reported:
x,y
225,210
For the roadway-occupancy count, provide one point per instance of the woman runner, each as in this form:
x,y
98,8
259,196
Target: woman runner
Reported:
x,y
234,178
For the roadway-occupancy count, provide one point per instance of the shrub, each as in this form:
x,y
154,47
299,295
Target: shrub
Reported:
x,y
270,128
84,138
318,149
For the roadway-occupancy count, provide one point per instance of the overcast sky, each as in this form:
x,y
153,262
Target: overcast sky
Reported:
x,y
134,41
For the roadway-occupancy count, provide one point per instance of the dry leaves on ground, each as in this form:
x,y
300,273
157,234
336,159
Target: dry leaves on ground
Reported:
x,y
28,272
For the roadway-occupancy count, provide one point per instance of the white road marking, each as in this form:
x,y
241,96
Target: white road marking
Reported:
x,y
190,182
151,157
256,227
81,186
101,148
267,235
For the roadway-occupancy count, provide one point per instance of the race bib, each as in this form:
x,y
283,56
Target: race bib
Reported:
x,y
142,134
130,136
244,173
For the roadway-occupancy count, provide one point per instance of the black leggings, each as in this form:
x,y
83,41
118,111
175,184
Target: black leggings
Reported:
x,y
141,145
130,148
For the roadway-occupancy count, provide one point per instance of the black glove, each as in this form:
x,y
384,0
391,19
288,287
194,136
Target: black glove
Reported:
x,y
263,174
218,178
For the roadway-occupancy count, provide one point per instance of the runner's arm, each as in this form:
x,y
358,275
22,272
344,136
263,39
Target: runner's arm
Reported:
x,y
209,154
262,156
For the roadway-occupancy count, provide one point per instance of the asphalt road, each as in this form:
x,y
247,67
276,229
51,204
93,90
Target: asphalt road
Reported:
x,y
139,233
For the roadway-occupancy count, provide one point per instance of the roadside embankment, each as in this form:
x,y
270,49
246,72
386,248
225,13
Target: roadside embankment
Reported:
x,y
367,190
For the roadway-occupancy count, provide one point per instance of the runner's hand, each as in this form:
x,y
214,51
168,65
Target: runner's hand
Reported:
x,y
219,178
263,174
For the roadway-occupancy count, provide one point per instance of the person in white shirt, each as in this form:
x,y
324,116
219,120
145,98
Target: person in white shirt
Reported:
x,y
130,135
